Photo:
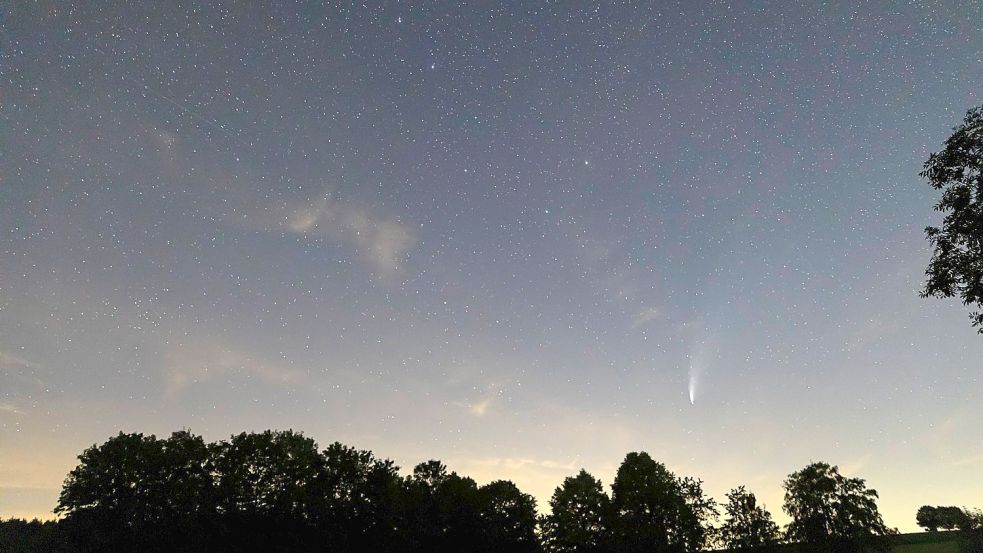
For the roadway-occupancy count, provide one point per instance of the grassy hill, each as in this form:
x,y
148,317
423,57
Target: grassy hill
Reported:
x,y
920,542
928,542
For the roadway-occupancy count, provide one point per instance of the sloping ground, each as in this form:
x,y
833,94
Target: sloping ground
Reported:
x,y
921,542
928,542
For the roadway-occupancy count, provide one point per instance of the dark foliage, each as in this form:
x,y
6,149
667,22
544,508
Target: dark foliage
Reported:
x,y
948,518
833,513
272,492
579,516
655,511
956,267
747,526
928,518
21,536
972,540
275,491
943,518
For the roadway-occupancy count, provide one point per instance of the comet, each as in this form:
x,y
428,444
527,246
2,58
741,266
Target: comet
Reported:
x,y
697,364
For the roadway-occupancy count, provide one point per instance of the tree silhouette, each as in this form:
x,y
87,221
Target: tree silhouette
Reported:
x,y
949,518
357,501
275,492
577,522
654,511
973,520
972,530
832,512
700,511
956,267
508,519
444,507
928,518
748,526
138,492
21,536
263,484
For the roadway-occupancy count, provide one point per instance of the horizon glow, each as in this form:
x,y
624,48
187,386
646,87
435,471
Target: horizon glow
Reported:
x,y
507,237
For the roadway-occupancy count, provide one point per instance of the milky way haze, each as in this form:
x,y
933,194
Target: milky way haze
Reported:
x,y
501,235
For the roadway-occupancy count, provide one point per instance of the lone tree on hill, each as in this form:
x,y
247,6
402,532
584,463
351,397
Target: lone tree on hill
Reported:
x,y
956,267
945,518
928,518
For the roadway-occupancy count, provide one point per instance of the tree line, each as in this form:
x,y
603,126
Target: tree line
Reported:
x,y
949,518
277,491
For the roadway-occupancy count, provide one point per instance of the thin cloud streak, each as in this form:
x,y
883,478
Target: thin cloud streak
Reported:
x,y
479,408
187,366
10,362
644,316
377,237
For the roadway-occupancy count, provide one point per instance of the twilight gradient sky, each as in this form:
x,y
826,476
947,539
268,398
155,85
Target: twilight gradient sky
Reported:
x,y
504,235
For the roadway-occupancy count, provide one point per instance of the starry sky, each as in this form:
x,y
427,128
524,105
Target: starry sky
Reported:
x,y
517,237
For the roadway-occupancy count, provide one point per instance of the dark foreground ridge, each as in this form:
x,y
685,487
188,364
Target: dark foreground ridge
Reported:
x,y
275,491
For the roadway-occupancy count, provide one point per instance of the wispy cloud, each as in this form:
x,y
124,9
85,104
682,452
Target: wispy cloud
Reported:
x,y
517,463
644,316
854,466
10,362
18,379
479,408
194,364
383,240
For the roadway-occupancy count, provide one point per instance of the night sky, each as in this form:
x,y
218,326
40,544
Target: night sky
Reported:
x,y
519,238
